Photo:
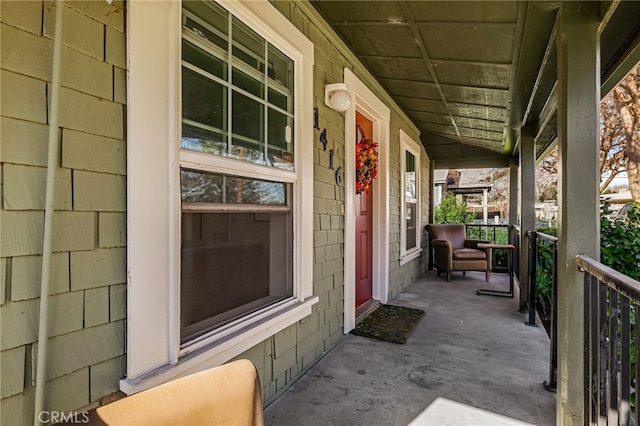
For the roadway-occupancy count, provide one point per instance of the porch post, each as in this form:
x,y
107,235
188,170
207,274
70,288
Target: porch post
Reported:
x,y
527,206
432,206
578,44
485,206
514,168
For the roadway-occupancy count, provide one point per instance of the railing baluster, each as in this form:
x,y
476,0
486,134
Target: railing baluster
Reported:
x,y
595,349
637,353
625,361
602,354
588,308
612,373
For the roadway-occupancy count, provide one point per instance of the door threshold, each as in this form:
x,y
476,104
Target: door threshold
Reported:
x,y
365,309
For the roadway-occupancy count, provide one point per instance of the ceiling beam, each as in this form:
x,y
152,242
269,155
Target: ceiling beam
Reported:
x,y
443,61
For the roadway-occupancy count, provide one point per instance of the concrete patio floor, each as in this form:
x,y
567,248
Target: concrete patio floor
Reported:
x,y
470,361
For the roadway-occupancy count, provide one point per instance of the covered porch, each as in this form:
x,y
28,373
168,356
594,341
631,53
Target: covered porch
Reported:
x,y
471,360
499,85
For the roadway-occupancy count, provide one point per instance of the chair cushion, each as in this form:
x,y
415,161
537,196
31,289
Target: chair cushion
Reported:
x,y
469,254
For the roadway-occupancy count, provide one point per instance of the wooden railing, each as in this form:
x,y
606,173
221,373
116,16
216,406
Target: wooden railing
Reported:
x,y
611,336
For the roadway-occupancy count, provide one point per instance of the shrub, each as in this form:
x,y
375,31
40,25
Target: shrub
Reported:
x,y
451,210
620,240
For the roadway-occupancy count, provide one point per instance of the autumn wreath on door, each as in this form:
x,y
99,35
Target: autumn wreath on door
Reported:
x,y
366,164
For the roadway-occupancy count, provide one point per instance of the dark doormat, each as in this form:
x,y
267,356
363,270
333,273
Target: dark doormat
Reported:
x,y
390,323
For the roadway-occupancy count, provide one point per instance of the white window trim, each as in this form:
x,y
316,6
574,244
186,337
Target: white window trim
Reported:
x,y
408,144
154,34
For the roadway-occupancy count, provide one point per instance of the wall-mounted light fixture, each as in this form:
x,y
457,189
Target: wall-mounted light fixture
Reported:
x,y
336,96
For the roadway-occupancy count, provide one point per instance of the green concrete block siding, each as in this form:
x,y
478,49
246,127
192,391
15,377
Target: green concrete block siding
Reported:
x,y
86,74
83,151
26,273
90,114
24,188
23,97
21,232
65,312
96,306
117,302
19,323
95,268
73,231
115,47
69,392
88,306
112,230
18,409
119,85
99,192
26,15
26,53
23,142
80,31
12,367
105,377
86,347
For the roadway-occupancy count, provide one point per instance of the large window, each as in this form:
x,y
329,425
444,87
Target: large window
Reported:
x,y
220,183
410,202
237,232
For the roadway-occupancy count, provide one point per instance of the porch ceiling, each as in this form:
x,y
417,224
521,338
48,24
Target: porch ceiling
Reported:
x,y
470,73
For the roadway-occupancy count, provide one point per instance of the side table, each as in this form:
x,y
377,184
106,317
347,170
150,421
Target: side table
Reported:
x,y
510,249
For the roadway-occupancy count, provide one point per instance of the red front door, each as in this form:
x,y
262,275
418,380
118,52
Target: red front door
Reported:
x,y
364,225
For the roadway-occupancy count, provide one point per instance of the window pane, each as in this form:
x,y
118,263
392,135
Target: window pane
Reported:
x,y
210,21
203,60
410,177
410,162
197,187
410,213
203,140
280,151
280,68
248,129
203,100
248,83
279,99
253,191
202,187
248,46
232,264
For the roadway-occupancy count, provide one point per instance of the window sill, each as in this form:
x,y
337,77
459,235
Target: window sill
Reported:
x,y
409,256
222,350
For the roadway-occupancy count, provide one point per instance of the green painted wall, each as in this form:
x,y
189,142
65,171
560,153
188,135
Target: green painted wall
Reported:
x,y
88,306
87,348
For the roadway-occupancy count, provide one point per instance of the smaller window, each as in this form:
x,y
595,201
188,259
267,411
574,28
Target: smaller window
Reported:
x,y
237,250
410,212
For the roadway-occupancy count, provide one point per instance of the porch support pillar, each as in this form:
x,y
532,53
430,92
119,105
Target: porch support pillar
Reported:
x,y
432,206
527,206
514,168
485,206
578,44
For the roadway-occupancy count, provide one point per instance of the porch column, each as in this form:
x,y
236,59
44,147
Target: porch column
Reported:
x,y
485,206
578,44
513,202
432,206
527,206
